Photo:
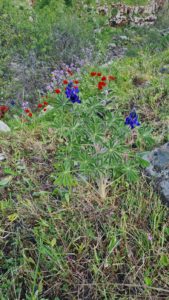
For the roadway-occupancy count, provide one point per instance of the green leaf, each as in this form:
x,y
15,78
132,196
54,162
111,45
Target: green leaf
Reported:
x,y
53,242
164,260
148,281
112,244
9,171
5,181
13,217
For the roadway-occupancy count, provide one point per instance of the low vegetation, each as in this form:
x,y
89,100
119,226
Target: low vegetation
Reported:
x,y
78,218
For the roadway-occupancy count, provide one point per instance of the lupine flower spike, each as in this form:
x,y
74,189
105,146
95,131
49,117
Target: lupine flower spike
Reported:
x,y
71,93
132,119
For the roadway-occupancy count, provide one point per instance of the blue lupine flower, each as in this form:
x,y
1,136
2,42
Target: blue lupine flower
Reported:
x,y
12,102
71,93
132,119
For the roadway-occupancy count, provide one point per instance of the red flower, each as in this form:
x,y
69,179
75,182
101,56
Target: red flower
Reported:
x,y
57,91
65,81
75,87
45,109
40,105
27,110
104,78
76,81
93,74
112,77
100,87
4,108
69,72
45,103
30,115
99,74
101,84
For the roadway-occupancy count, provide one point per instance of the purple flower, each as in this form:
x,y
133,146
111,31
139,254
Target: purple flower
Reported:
x,y
71,93
25,105
132,119
149,236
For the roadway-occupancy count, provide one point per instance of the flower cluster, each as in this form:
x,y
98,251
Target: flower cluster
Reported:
x,y
28,112
43,105
71,92
132,119
59,75
103,79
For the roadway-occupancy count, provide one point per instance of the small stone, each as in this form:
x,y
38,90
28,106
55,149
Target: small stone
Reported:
x,y
123,37
2,157
165,70
4,127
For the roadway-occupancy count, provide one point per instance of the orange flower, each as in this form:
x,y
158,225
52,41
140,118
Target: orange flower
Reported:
x,y
76,81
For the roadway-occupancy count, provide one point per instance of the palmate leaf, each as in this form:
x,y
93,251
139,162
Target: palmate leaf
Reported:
x,y
64,175
130,172
65,179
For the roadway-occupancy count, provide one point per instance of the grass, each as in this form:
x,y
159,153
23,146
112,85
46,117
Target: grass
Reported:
x,y
72,244
59,248
64,241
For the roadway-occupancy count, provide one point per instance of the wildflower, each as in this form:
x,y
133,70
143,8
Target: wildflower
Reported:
x,y
12,102
100,87
40,105
76,81
104,78
45,109
4,108
111,77
149,236
45,103
49,88
132,119
25,104
101,84
71,93
65,81
69,72
27,110
99,74
93,74
57,91
30,115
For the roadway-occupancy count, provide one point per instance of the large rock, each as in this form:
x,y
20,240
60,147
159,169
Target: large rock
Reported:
x,y
136,15
4,127
158,170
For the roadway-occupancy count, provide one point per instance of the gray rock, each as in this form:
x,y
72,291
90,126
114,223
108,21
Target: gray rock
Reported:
x,y
158,170
2,157
123,37
165,70
112,45
4,127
